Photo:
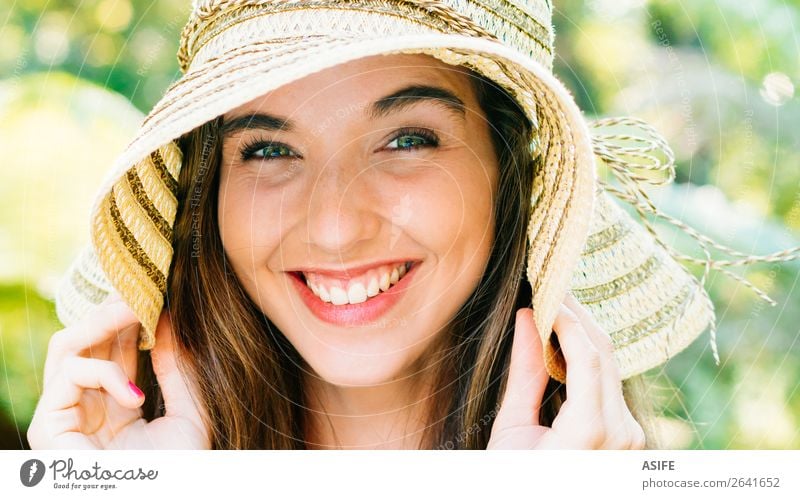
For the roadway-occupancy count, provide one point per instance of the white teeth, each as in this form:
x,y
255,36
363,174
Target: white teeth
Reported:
x,y
373,288
360,289
338,296
323,294
384,284
357,293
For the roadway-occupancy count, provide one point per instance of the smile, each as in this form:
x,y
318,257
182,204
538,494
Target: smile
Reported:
x,y
356,290
356,300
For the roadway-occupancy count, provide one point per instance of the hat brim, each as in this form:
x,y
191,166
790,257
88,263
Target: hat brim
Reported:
x,y
136,205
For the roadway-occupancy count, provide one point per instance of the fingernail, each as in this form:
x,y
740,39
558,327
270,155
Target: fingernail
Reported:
x,y
135,389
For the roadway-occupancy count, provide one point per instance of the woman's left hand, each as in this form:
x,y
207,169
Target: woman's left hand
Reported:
x,y
594,416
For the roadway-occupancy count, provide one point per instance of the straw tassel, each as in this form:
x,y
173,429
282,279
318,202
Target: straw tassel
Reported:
x,y
628,156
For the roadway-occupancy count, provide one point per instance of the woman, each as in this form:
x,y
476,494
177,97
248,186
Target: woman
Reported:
x,y
390,367
321,232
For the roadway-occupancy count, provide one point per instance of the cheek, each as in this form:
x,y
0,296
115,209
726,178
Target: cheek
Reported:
x,y
248,230
453,211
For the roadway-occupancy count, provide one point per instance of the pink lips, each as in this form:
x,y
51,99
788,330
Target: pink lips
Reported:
x,y
353,314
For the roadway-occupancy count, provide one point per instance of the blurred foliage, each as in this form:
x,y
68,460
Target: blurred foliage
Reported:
x,y
716,77
27,318
127,47
55,129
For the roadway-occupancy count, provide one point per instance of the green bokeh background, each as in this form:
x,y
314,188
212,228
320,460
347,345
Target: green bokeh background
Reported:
x,y
716,77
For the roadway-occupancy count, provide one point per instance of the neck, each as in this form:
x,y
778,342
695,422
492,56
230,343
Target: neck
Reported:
x,y
391,415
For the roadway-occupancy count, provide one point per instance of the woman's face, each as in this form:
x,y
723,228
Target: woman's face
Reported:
x,y
356,208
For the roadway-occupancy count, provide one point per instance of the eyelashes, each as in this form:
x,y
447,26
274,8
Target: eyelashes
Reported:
x,y
429,138
255,145
405,139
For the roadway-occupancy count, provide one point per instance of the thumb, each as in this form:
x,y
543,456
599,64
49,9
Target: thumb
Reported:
x,y
527,376
179,398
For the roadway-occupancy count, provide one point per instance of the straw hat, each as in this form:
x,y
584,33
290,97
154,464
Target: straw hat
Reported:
x,y
233,51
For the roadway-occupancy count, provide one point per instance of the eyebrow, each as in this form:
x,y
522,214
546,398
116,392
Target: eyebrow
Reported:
x,y
414,94
394,102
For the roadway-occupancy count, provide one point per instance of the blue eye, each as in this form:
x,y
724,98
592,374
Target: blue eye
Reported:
x,y
275,151
413,138
406,139
266,150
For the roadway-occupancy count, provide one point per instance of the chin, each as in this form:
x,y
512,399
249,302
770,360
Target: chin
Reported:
x,y
344,370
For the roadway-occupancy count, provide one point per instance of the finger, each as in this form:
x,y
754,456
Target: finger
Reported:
x,y
581,415
599,338
63,421
616,416
102,349
582,358
78,374
180,399
125,350
70,441
57,430
45,426
622,429
101,325
527,376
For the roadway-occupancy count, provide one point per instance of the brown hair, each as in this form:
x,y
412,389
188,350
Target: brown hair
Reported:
x,y
249,374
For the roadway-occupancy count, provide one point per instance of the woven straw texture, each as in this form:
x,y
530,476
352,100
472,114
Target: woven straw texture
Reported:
x,y
579,238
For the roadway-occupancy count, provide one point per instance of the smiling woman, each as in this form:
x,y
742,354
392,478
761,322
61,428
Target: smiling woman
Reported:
x,y
385,216
364,245
369,225
375,261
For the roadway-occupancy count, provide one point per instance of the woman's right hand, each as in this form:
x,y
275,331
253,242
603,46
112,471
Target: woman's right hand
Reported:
x,y
89,400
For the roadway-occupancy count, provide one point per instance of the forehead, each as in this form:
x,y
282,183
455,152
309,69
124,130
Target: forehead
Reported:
x,y
365,79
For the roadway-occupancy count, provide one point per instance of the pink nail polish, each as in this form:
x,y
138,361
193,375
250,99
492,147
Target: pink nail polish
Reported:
x,y
135,389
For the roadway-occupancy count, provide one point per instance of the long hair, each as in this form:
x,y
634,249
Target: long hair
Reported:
x,y
250,376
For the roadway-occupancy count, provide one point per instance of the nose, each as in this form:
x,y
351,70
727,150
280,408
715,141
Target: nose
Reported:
x,y
343,212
